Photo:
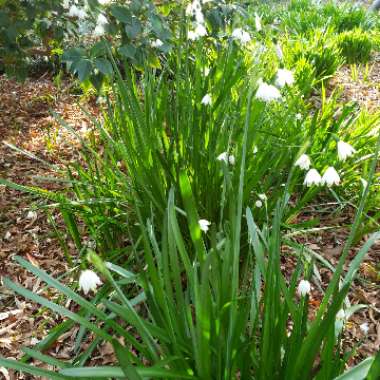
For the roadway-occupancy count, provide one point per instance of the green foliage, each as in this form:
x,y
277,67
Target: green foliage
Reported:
x,y
185,137
130,30
158,125
319,49
304,16
202,314
349,17
28,29
356,46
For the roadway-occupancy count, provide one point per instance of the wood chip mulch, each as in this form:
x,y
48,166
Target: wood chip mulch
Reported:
x,y
27,123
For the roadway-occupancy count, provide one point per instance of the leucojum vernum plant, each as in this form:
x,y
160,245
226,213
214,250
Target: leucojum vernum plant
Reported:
x,y
205,311
203,163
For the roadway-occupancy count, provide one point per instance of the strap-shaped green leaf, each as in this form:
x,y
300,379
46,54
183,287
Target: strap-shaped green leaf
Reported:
x,y
359,372
117,372
35,371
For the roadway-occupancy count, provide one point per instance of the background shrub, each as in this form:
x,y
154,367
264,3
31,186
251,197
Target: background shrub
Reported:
x,y
319,49
31,30
356,46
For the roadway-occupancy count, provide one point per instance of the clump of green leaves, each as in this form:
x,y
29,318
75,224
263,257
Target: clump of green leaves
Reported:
x,y
356,46
348,17
203,311
319,49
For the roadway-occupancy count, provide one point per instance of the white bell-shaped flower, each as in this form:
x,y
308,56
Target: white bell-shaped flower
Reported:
x,y
263,197
312,178
304,288
206,100
267,93
330,177
89,280
204,224
241,35
156,43
344,150
303,162
284,77
225,157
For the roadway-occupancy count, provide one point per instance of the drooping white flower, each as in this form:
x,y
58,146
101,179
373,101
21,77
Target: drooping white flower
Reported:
x,y
228,159
364,327
66,4
312,178
193,7
304,288
156,43
82,14
344,150
206,100
258,23
340,321
101,22
207,71
99,30
267,92
89,280
258,203
241,35
303,162
199,31
199,18
263,197
223,157
255,150
74,11
204,224
284,77
330,177
341,315
298,116
191,35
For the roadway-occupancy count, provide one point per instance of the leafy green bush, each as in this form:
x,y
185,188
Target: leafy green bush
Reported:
x,y
349,17
356,46
302,17
131,30
29,29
